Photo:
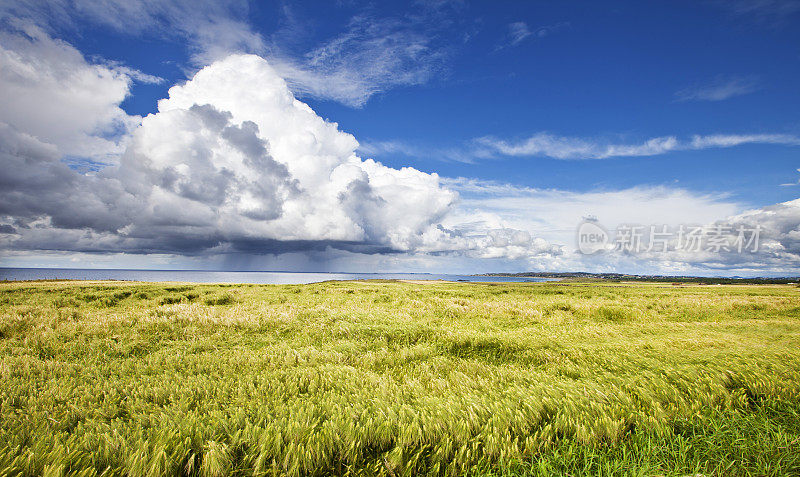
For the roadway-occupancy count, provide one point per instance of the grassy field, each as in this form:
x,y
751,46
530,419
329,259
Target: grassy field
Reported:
x,y
389,378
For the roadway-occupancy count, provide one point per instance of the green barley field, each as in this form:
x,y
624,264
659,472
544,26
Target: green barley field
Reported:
x,y
399,378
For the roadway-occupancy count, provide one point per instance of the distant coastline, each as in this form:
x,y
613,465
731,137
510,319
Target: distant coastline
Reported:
x,y
617,277
255,277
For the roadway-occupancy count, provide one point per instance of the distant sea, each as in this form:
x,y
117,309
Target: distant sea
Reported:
x,y
201,276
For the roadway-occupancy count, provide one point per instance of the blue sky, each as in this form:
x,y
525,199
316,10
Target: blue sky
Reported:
x,y
687,104
580,69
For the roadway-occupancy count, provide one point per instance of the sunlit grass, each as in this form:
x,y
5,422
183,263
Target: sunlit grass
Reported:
x,y
385,378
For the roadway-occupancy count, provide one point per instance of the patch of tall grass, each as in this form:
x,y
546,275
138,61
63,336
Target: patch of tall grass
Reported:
x,y
390,378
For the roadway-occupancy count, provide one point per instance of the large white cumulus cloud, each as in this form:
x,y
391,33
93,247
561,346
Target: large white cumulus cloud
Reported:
x,y
233,162
236,151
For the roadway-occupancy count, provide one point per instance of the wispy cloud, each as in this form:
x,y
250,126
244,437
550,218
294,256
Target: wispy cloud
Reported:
x,y
760,6
561,147
520,31
775,12
791,184
406,149
731,140
548,145
719,89
211,29
371,56
132,73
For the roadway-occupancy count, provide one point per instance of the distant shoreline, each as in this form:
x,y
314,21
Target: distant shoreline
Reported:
x,y
256,277
617,277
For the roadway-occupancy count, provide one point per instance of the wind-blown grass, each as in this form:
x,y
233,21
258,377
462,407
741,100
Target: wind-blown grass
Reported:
x,y
387,378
